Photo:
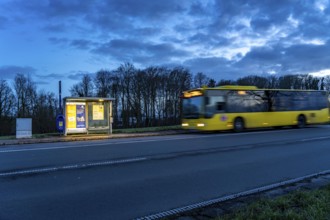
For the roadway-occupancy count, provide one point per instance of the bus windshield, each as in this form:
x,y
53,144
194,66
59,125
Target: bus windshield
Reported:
x,y
191,107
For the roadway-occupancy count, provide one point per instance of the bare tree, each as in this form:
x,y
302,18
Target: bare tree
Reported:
x,y
224,82
211,83
253,80
76,91
273,82
26,93
162,94
152,94
7,100
102,83
178,81
310,82
7,105
125,73
83,88
115,93
45,112
200,80
326,83
291,82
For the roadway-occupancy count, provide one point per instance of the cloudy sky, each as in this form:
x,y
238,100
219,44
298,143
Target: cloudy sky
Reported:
x,y
54,40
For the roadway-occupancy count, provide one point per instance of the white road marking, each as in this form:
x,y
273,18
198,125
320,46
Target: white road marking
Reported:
x,y
314,139
70,167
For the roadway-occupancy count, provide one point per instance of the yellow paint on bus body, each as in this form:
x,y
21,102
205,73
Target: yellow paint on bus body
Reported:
x,y
225,121
255,120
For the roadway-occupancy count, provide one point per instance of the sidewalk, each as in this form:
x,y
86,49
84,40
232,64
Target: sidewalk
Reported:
x,y
84,137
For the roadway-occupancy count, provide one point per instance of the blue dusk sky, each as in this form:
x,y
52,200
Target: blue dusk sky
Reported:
x,y
53,40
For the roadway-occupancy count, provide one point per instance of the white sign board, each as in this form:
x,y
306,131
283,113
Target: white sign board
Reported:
x,y
23,127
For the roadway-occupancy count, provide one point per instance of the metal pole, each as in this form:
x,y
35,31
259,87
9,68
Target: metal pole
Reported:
x,y
60,95
110,113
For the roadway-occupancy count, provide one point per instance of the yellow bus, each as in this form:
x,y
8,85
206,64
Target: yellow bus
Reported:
x,y
243,107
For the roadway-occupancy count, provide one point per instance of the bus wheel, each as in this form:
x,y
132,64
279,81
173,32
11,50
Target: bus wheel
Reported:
x,y
238,125
301,121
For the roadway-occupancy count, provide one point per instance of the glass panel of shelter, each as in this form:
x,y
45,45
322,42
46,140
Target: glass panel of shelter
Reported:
x,y
98,115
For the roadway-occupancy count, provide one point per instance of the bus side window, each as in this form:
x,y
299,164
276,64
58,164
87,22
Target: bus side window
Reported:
x,y
220,106
207,100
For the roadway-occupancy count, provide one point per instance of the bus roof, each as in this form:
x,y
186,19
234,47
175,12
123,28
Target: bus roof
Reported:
x,y
237,87
234,87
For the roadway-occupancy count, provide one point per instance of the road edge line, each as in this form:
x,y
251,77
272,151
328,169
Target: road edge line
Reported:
x,y
206,203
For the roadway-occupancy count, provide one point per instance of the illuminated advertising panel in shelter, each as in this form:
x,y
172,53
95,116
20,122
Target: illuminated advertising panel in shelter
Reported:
x,y
98,112
71,116
80,116
75,117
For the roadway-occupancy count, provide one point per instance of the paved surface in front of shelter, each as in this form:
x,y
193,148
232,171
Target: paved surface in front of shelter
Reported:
x,y
85,137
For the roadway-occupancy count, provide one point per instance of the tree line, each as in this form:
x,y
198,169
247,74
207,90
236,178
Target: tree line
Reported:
x,y
143,97
151,96
148,97
24,101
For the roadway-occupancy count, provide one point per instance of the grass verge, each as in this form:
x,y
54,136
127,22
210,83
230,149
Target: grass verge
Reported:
x,y
7,137
314,204
47,135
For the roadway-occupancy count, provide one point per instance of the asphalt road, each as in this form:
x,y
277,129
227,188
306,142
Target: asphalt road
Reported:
x,y
136,177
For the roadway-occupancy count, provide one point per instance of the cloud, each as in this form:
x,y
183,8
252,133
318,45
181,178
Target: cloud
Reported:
x,y
307,58
9,72
103,16
139,51
55,28
144,9
77,75
127,18
81,44
41,82
51,9
221,38
72,8
296,59
273,13
51,76
200,8
3,22
215,67
59,41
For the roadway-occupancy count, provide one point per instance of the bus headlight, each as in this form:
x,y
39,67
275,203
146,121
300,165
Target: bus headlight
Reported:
x,y
184,124
200,125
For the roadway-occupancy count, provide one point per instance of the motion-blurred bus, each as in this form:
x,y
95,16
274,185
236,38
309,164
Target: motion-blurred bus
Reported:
x,y
243,107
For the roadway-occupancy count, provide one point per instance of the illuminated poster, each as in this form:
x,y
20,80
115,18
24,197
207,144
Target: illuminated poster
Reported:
x,y
98,112
71,116
81,118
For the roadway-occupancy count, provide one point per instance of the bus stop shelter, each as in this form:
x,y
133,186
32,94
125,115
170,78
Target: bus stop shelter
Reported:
x,y
87,115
